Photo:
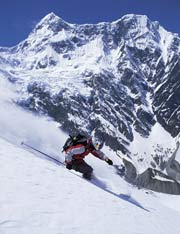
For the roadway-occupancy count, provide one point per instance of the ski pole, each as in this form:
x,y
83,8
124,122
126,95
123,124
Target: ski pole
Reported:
x,y
31,147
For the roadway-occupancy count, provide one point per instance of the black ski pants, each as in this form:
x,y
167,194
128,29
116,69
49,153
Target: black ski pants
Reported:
x,y
83,167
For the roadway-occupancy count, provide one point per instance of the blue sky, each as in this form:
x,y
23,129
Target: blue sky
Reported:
x,y
18,17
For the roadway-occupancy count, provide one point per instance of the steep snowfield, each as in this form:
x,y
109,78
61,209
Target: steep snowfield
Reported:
x,y
39,196
160,142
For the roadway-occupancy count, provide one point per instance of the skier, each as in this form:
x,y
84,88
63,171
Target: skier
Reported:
x,y
76,148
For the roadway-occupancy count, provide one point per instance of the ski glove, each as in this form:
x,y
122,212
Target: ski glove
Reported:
x,y
109,161
69,166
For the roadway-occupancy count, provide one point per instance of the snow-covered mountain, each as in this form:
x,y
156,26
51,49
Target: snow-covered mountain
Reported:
x,y
118,81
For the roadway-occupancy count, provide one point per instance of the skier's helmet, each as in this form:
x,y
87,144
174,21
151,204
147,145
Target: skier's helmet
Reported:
x,y
97,144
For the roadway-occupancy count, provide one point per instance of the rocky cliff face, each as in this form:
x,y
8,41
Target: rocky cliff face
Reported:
x,y
109,79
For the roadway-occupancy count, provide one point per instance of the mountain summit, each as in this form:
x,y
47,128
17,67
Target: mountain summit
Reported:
x,y
52,22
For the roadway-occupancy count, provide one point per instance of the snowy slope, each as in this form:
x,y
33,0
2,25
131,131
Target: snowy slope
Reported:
x,y
155,149
38,196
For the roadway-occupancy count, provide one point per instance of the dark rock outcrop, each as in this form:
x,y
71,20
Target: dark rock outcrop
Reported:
x,y
151,179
